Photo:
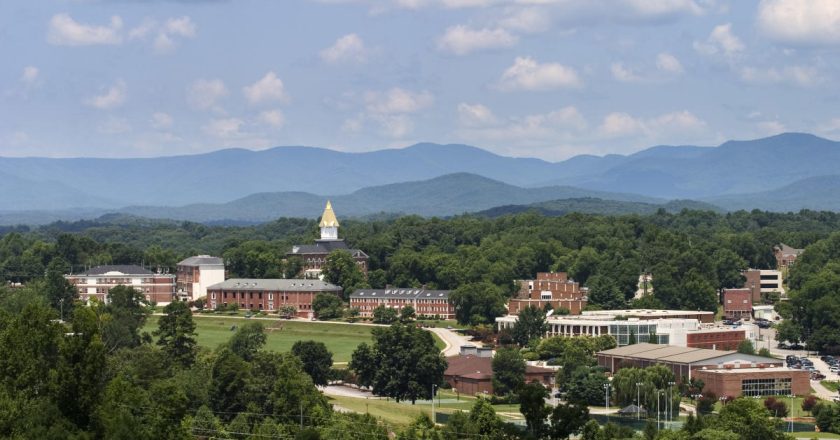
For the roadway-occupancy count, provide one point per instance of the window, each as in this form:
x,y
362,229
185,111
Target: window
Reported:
x,y
766,387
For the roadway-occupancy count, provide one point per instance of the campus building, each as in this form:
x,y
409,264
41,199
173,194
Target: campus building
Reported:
x,y
663,327
785,255
549,288
425,302
315,255
194,274
473,374
725,373
269,294
763,281
96,282
737,303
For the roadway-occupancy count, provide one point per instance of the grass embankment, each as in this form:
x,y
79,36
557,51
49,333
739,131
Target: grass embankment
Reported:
x,y
831,385
340,339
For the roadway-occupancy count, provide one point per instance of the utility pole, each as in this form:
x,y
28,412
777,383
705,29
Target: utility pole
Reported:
x,y
671,402
434,416
607,399
638,401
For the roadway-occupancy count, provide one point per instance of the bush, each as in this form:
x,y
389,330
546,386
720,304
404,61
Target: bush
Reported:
x,y
777,408
809,403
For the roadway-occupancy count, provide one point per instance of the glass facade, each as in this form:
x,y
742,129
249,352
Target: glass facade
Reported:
x,y
766,387
642,331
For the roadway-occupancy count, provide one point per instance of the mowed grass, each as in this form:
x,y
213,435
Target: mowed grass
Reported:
x,y
340,339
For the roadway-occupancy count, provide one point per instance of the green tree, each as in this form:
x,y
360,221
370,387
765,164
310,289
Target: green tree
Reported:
x,y
60,293
749,419
746,347
341,269
605,293
247,340
532,405
530,325
406,362
122,317
78,379
228,383
788,331
327,306
407,314
478,303
384,315
567,420
508,371
176,333
362,363
317,360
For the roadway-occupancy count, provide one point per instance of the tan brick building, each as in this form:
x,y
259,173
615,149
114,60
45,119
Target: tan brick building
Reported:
x,y
425,302
96,282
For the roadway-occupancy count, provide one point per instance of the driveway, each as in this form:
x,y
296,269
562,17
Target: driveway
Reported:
x,y
453,340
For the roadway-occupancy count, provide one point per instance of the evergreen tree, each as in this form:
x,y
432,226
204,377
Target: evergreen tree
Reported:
x,y
176,333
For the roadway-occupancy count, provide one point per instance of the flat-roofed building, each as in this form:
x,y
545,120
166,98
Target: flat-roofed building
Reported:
x,y
96,282
427,303
737,303
194,274
686,332
726,373
699,315
763,281
549,288
270,294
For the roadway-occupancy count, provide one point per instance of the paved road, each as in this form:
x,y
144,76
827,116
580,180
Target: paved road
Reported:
x,y
345,391
453,340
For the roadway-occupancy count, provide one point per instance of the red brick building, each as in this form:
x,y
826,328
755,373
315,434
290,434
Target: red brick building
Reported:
x,y
737,303
194,274
474,375
552,288
425,302
761,380
156,287
785,255
715,338
269,294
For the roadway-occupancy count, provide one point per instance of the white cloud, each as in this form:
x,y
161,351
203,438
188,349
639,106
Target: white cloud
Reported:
x,y
462,40
268,88
528,20
397,100
204,93
475,115
668,126
349,48
166,34
720,40
182,26
801,76
797,22
662,8
112,97
668,63
468,3
623,73
768,128
830,127
272,118
527,74
394,126
65,31
226,128
29,75
161,121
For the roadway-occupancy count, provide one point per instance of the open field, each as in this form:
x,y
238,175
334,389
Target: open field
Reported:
x,y
340,339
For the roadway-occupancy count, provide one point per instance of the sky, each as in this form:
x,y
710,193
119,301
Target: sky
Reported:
x,y
527,78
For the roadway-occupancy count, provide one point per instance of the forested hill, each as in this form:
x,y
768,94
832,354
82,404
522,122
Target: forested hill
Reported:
x,y
591,205
661,172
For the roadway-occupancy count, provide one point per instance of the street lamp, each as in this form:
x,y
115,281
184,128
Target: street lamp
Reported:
x,y
434,417
659,394
790,417
638,400
671,402
607,399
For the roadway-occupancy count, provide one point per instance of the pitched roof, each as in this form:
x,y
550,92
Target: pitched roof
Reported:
x,y
202,260
322,247
117,269
275,284
402,292
328,217
475,367
682,355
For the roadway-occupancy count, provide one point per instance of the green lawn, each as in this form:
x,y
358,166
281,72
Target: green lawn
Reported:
x,y
340,339
831,385
404,412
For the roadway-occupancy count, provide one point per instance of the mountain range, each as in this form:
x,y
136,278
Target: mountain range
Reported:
x,y
786,172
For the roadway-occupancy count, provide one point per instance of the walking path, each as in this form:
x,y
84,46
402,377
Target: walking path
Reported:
x,y
453,340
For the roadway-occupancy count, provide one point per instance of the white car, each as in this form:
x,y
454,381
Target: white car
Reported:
x,y
834,369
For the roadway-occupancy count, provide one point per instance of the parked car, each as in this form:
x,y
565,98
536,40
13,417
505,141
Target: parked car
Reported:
x,y
817,376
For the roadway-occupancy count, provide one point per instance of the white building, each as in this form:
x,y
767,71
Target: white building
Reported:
x,y
196,273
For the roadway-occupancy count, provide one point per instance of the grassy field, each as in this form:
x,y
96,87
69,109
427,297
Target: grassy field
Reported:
x,y
340,339
831,385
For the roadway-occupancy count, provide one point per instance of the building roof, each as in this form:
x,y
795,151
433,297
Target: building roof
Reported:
x,y
752,370
645,313
328,219
682,355
118,269
787,250
474,367
275,284
324,247
402,292
202,260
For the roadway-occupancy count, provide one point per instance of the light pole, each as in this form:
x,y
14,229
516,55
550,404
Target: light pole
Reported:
x,y
638,400
790,417
607,399
658,413
61,305
434,416
671,402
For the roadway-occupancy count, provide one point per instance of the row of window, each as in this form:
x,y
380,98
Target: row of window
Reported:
x,y
779,386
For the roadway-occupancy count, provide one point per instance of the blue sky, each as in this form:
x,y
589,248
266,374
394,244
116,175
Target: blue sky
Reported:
x,y
536,78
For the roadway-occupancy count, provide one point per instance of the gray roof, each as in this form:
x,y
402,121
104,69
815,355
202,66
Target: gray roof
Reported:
x,y
324,247
125,269
202,260
275,284
404,292
681,355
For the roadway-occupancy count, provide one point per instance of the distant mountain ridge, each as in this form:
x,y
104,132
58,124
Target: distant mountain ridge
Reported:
x,y
734,172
